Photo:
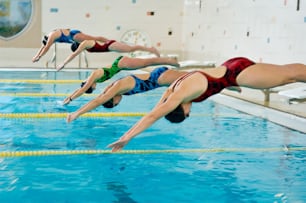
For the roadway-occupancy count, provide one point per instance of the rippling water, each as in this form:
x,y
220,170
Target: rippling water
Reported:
x,y
214,176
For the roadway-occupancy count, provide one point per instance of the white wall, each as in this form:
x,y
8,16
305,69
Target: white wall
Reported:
x,y
218,30
109,18
214,31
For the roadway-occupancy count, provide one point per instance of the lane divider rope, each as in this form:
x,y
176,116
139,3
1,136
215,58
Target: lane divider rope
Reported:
x,y
59,94
39,81
64,115
43,94
5,154
98,114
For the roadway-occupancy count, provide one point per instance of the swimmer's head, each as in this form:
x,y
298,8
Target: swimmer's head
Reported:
x,y
177,115
44,40
74,46
90,90
112,102
109,104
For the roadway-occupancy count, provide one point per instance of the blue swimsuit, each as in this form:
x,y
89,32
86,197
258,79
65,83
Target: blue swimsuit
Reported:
x,y
149,84
67,38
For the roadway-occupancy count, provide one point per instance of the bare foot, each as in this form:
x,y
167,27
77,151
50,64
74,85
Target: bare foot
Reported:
x,y
155,51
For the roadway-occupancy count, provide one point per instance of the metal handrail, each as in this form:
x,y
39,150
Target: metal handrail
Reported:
x,y
53,58
83,53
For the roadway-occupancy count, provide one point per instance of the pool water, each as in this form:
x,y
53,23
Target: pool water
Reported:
x,y
230,173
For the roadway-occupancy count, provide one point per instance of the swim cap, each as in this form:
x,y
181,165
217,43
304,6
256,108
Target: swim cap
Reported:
x,y
177,115
44,40
109,104
74,46
90,90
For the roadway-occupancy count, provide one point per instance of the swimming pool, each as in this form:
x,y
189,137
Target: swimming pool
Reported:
x,y
240,158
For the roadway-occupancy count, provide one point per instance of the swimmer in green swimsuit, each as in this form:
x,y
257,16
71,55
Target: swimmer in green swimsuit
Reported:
x,y
121,63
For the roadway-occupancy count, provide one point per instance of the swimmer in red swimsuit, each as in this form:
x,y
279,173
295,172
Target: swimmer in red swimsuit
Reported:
x,y
196,86
108,46
63,36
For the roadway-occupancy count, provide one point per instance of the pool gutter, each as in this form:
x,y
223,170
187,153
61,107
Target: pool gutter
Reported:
x,y
282,118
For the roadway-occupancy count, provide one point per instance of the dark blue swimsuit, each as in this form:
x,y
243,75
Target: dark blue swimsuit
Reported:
x,y
149,84
67,38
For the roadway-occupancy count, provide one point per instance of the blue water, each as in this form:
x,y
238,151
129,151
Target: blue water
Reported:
x,y
239,176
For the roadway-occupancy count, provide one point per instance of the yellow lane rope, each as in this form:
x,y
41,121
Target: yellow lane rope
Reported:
x,y
98,114
63,115
43,94
57,94
39,81
5,154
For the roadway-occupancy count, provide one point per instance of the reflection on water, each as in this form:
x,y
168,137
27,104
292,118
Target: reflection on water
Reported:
x,y
119,191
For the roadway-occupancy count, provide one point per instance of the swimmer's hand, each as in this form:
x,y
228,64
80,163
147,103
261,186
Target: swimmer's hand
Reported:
x,y
118,145
67,101
60,67
35,59
71,117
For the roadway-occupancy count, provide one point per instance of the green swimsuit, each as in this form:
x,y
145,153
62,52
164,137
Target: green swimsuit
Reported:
x,y
110,72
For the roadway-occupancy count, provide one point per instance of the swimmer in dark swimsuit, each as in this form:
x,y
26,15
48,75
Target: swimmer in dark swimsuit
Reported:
x,y
63,36
108,46
121,63
129,85
197,86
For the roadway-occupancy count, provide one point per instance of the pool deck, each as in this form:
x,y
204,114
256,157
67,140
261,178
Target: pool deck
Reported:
x,y
276,111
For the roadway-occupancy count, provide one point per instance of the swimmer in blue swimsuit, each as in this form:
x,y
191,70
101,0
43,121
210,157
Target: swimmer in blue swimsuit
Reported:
x,y
129,85
196,86
121,63
63,36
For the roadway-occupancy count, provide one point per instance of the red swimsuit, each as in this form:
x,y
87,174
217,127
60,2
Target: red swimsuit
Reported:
x,y
215,85
101,48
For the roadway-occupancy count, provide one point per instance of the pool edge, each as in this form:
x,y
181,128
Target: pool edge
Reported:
x,y
282,118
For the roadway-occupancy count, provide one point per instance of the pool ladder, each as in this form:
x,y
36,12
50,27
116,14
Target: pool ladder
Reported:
x,y
53,60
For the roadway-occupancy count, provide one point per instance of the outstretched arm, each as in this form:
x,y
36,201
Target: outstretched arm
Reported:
x,y
89,82
145,122
38,54
109,93
43,49
81,48
188,89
